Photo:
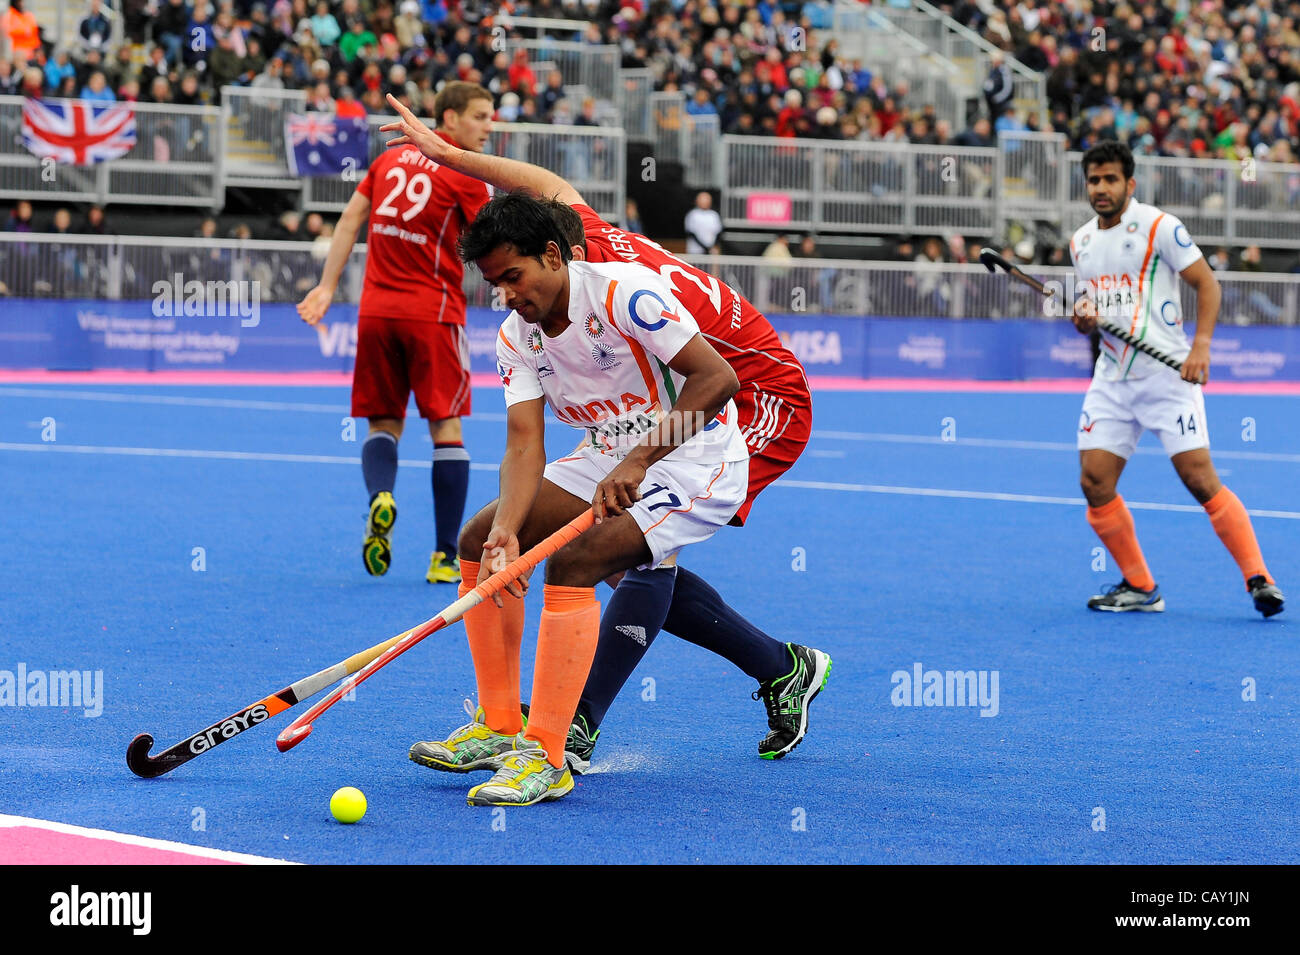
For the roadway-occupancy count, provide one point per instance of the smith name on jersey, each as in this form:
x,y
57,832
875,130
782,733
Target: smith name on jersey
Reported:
x,y
607,372
1131,272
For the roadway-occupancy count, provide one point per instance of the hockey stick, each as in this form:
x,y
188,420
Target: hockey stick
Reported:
x,y
300,729
147,767
993,261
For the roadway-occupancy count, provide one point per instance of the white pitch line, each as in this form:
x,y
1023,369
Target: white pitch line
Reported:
x,y
1002,496
144,842
253,405
175,400
244,404
1028,445
783,482
219,455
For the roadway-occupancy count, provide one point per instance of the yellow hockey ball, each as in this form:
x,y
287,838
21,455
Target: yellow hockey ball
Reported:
x,y
348,804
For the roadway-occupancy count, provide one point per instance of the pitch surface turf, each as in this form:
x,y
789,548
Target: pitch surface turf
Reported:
x,y
1140,716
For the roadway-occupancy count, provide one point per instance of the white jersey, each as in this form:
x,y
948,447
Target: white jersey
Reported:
x,y
607,373
1131,273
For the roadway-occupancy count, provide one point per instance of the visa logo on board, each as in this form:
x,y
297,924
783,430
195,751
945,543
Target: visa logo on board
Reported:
x,y
814,347
338,340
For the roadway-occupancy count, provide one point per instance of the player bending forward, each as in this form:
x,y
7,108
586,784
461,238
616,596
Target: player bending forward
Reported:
x,y
1129,258
666,467
411,322
775,409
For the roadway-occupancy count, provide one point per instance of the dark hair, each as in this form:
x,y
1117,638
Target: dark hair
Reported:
x,y
568,221
1109,150
516,219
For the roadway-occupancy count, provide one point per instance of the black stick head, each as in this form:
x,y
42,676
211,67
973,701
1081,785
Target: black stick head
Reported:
x,y
991,260
139,761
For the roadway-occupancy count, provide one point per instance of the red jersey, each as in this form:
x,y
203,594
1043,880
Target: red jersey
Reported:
x,y
731,324
417,211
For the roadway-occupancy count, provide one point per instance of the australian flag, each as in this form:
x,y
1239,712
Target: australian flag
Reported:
x,y
322,144
78,133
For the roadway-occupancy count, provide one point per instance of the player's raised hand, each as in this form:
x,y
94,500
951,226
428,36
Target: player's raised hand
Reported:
x,y
1085,316
313,308
621,488
416,133
499,551
1196,366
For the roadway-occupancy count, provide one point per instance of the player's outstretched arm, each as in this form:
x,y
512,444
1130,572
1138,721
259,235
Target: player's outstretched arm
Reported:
x,y
497,171
317,302
1199,275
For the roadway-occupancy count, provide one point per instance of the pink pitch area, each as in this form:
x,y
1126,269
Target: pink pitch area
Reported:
x,y
26,841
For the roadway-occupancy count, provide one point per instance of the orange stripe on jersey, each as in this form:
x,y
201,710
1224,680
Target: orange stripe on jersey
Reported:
x,y
637,351
502,333
708,493
1146,259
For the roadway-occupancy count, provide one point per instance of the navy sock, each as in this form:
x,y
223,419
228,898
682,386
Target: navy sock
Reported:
x,y
700,616
379,462
450,488
631,621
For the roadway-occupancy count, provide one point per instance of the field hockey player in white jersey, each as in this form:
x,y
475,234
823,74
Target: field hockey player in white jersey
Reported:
x,y
613,353
1129,259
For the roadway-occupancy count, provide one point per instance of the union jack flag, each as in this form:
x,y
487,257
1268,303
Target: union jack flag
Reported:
x,y
77,132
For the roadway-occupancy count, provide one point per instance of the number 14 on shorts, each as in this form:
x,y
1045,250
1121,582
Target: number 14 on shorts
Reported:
x,y
1188,426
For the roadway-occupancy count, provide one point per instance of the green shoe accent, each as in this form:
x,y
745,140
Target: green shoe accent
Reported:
x,y
383,515
377,556
443,571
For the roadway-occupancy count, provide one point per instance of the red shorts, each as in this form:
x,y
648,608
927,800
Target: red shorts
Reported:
x,y
397,356
776,430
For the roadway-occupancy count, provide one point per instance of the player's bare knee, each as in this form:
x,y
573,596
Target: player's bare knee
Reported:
x,y
469,546
391,426
1097,489
445,430
1203,483
570,567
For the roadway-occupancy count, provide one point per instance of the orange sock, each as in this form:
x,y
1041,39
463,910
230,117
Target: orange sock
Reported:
x,y
566,644
1114,525
495,634
1231,522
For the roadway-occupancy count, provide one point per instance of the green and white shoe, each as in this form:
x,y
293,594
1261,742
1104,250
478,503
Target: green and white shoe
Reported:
x,y
472,747
579,746
787,699
375,551
525,777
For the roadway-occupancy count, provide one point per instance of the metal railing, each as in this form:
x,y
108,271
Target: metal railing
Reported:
x,y
130,268
690,139
179,153
257,156
595,67
1221,201
864,33
858,187
37,265
635,90
592,159
966,48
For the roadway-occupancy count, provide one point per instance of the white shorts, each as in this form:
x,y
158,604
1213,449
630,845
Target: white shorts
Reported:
x,y
681,502
1115,413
